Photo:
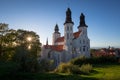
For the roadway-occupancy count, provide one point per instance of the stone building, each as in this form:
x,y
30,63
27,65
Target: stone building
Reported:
x,y
71,45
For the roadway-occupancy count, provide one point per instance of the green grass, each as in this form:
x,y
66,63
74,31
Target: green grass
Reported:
x,y
44,76
105,72
100,72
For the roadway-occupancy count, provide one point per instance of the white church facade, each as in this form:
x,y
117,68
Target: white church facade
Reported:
x,y
71,45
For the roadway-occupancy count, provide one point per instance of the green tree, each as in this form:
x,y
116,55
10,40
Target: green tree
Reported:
x,y
30,39
27,50
3,31
20,46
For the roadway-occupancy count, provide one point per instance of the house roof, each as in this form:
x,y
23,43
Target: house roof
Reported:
x,y
61,39
54,47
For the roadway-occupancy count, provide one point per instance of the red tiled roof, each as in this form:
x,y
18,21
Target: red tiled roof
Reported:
x,y
104,52
76,34
60,39
54,47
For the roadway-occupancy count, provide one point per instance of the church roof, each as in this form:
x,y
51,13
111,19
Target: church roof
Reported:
x,y
68,17
54,47
56,29
76,35
82,21
60,39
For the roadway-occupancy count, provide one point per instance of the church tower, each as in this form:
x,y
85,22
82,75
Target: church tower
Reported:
x,y
56,34
85,42
68,31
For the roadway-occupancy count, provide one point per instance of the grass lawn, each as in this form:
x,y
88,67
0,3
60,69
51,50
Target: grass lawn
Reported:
x,y
105,72
100,72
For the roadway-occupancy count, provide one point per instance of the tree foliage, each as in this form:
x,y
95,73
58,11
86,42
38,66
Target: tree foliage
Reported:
x,y
20,46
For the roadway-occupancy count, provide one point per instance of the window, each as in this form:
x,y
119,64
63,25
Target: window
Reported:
x,y
83,48
67,35
70,34
83,32
80,48
87,42
83,41
49,56
87,49
71,28
68,28
73,49
80,41
70,42
58,59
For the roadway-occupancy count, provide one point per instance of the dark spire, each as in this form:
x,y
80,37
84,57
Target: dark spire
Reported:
x,y
82,21
47,41
56,28
68,17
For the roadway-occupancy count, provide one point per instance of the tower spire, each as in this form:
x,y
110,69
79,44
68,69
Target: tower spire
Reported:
x,y
68,32
82,21
56,28
68,17
47,41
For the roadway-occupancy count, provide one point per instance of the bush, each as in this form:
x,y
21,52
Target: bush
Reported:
x,y
79,61
86,68
67,68
94,60
46,65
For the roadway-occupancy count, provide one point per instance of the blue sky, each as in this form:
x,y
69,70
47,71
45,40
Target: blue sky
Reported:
x,y
102,18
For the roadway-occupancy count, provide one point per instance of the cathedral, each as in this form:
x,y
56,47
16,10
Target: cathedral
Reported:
x,y
71,45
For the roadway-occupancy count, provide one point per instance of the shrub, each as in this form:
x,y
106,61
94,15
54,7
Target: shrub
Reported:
x,y
94,60
80,60
46,65
86,68
67,68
